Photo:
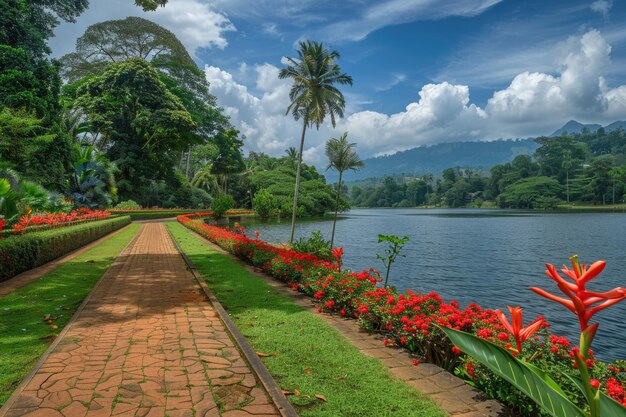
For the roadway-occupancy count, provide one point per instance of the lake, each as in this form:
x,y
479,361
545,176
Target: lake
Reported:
x,y
490,257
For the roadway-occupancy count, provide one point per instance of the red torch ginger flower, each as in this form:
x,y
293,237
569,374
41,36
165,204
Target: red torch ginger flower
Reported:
x,y
520,333
580,300
337,254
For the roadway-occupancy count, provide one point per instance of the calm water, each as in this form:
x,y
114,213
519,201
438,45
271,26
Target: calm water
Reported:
x,y
491,257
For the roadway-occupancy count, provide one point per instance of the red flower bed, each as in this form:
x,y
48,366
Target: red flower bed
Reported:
x,y
57,219
412,320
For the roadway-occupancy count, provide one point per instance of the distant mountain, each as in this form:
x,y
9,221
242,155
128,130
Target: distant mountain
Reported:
x,y
616,125
436,158
576,127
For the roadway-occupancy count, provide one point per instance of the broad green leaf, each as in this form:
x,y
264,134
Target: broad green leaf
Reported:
x,y
4,186
529,379
608,406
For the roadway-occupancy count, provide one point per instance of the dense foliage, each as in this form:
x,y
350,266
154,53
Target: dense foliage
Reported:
x,y
277,177
412,320
586,167
135,110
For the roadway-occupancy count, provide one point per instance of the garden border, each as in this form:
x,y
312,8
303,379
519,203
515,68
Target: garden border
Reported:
x,y
24,278
271,387
115,265
451,393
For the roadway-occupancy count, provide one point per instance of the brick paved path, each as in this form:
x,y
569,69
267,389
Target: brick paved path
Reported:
x,y
147,344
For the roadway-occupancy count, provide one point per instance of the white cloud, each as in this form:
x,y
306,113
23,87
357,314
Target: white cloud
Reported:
x,y
261,117
538,99
534,103
195,23
395,12
602,6
395,80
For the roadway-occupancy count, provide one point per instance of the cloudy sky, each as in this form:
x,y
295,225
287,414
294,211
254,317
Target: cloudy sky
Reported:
x,y
425,71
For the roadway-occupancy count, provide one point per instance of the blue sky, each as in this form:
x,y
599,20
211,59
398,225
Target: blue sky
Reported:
x,y
425,71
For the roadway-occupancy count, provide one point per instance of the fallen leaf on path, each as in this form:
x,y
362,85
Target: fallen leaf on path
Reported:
x,y
54,327
263,355
321,397
307,371
285,392
296,391
46,317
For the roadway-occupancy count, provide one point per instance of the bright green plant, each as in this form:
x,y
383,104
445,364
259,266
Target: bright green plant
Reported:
x,y
221,204
533,381
264,204
8,200
127,205
315,245
395,245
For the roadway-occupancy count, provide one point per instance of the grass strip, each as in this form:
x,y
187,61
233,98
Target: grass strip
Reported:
x,y
25,333
305,353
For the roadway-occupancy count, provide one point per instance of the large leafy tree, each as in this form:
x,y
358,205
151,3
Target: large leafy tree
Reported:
x,y
115,41
119,40
341,157
144,122
314,95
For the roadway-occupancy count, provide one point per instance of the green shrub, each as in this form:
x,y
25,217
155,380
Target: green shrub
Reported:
x,y
264,204
24,252
315,245
221,204
128,205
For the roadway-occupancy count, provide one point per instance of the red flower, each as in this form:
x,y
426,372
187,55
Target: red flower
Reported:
x,y
416,362
456,350
521,334
580,300
595,383
337,254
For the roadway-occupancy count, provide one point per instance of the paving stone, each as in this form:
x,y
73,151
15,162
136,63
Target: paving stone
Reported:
x,y
148,343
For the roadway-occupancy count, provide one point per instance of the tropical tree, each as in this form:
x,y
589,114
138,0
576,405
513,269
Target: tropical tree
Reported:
x,y
92,182
144,122
205,179
313,95
341,157
229,159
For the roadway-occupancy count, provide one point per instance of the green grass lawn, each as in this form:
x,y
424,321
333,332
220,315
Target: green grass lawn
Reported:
x,y
24,334
306,353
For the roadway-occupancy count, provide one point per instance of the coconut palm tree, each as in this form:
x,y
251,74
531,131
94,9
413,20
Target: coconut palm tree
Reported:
x,y
313,95
341,157
291,154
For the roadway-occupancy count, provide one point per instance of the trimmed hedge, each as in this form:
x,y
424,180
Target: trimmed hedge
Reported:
x,y
21,253
152,214
165,214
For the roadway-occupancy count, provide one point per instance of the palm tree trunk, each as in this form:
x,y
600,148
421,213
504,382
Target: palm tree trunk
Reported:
x,y
295,191
613,191
332,236
567,182
188,161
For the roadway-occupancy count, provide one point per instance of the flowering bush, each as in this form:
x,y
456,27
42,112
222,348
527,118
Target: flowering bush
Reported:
x,y
413,321
51,220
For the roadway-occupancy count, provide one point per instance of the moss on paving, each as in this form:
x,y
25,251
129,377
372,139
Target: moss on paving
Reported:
x,y
25,335
306,353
